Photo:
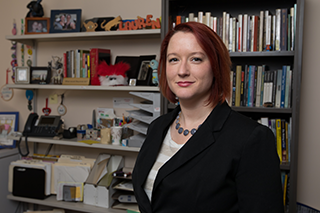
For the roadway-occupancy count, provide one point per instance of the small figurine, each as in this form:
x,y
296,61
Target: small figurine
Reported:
x,y
35,9
90,26
56,66
154,67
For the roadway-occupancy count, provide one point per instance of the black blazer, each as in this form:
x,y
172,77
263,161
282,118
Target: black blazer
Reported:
x,y
230,165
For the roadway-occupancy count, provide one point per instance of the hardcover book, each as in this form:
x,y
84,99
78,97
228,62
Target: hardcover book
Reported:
x,y
97,55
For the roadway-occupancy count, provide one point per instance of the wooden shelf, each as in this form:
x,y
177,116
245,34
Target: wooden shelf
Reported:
x,y
83,87
262,54
263,109
73,142
75,206
82,36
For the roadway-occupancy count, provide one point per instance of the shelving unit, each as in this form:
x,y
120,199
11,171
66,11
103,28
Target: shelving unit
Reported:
x,y
75,206
275,60
73,142
33,41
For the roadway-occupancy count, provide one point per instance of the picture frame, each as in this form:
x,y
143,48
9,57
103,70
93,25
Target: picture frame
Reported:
x,y
9,123
65,21
144,77
40,75
37,25
22,75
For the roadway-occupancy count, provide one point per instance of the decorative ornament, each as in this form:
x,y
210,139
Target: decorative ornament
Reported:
x,y
22,45
184,131
112,75
35,9
46,110
6,93
62,109
14,51
29,61
29,96
140,23
90,26
107,27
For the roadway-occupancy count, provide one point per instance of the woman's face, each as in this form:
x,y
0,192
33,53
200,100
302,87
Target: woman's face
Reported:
x,y
189,73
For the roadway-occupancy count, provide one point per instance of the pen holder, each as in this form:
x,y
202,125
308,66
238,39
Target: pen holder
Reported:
x,y
116,133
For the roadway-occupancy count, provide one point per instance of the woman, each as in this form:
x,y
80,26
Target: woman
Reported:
x,y
203,156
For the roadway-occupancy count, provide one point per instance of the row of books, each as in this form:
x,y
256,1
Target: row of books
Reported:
x,y
248,33
254,86
80,63
282,131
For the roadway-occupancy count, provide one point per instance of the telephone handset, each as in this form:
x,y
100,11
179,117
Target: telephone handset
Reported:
x,y
31,122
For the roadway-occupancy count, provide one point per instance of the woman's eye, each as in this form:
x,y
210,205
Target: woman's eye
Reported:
x,y
196,59
173,59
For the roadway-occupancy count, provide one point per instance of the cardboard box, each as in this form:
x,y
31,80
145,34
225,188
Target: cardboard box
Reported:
x,y
97,190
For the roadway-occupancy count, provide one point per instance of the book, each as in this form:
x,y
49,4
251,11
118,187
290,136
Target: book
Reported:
x,y
239,40
278,139
278,29
258,88
260,43
96,56
278,90
245,85
238,84
255,33
274,86
234,79
262,84
81,62
242,88
178,20
287,101
284,28
65,64
283,86
283,141
252,70
244,33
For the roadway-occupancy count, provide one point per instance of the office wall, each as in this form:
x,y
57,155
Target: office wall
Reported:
x,y
79,110
309,146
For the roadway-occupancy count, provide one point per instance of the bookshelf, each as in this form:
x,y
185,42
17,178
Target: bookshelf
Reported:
x,y
71,145
274,59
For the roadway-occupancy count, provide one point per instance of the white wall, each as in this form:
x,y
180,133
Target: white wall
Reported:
x,y
309,141
308,167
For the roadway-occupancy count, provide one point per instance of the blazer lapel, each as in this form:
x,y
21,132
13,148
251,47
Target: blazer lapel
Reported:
x,y
202,139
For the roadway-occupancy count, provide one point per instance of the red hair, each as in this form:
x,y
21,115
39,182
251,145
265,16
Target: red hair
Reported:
x,y
218,56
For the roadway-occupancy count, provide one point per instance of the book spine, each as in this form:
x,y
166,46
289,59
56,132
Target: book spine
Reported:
x,y
246,83
244,33
77,63
265,88
200,17
234,80
191,17
258,88
284,27
242,89
273,32
94,63
240,20
268,34
292,28
278,137
227,30
178,20
289,32
261,31
231,88
65,65
262,85
290,89
207,19
274,87
283,86
230,38
234,27
283,141
72,57
278,28
89,65
224,15
238,84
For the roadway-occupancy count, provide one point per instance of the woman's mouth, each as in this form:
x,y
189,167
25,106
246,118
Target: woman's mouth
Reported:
x,y
184,83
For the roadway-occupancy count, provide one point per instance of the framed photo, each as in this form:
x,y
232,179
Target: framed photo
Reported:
x,y
22,75
40,75
65,21
145,74
37,25
9,122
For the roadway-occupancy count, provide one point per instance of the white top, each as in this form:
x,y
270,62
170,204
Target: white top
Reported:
x,y
168,149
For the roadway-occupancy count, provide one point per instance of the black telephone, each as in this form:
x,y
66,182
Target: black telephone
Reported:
x,y
46,126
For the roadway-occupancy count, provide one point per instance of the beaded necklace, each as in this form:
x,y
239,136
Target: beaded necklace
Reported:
x,y
184,131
